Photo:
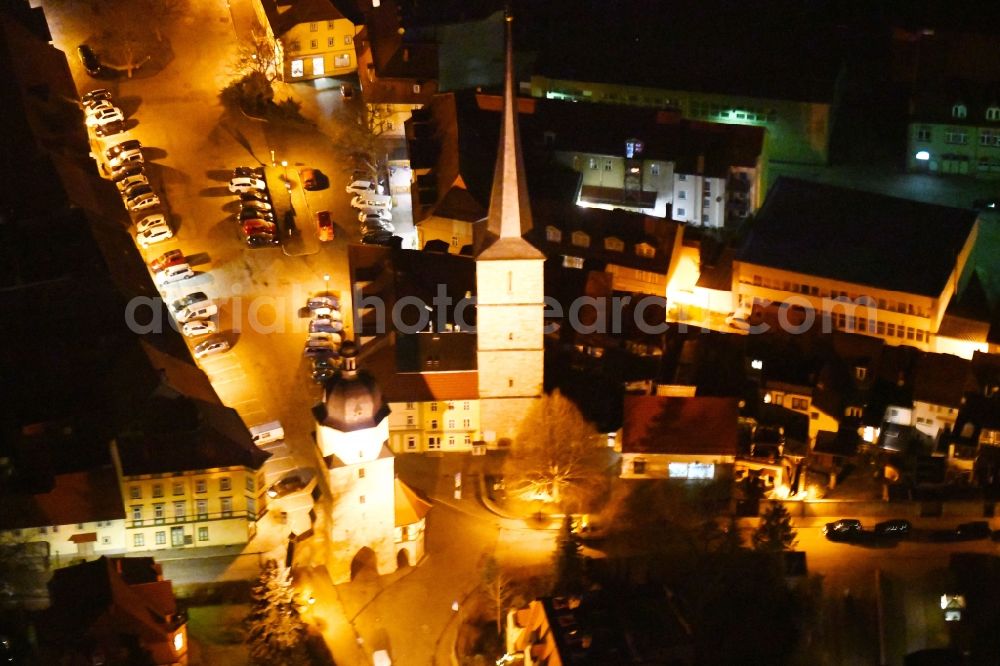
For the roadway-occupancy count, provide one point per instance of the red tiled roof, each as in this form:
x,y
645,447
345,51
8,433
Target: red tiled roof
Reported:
x,y
86,537
78,497
691,426
427,386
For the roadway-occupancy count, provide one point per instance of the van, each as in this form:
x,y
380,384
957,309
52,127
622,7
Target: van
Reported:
x,y
266,433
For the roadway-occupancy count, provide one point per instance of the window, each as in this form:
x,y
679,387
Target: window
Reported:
x,y
201,507
250,483
225,484
434,406
958,111
313,27
465,406
227,506
552,234
343,60
348,40
466,423
202,534
607,165
137,515
411,442
314,44
180,510
572,262
361,473
105,540
135,492
993,113
43,530
681,177
467,440
638,466
800,403
329,25
138,540
681,211
329,42
294,45
161,538
510,382
614,244
957,137
645,250
157,490
890,329
178,488
451,424
409,419
409,405
654,169
580,239
682,194
860,372
201,486
297,68
434,424
592,162
854,412
159,512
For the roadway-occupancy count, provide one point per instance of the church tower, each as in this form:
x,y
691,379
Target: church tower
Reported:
x,y
509,288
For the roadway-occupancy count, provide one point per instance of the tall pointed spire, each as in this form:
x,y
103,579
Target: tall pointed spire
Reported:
x,y
510,210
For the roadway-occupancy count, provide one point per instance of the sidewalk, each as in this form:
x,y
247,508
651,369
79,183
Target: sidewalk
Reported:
x,y
328,616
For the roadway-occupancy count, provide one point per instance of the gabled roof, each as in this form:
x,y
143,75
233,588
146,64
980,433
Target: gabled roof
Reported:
x,y
840,233
77,497
688,426
409,507
941,379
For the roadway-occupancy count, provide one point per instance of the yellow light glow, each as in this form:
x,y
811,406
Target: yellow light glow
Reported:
x,y
179,641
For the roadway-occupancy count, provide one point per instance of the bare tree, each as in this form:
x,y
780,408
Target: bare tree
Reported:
x,y
256,56
498,588
128,39
558,453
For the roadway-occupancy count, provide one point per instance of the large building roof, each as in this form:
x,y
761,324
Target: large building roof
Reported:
x,y
352,400
285,15
858,237
77,497
686,426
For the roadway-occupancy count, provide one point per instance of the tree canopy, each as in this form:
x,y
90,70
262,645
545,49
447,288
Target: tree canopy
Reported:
x,y
276,633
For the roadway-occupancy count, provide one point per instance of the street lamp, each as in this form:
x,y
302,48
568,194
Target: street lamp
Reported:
x,y
326,280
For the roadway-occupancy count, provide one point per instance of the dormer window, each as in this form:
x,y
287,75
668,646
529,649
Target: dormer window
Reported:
x,y
860,372
552,234
645,250
614,244
581,239
993,113
958,111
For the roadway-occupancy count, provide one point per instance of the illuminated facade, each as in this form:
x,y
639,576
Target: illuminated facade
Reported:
x,y
311,38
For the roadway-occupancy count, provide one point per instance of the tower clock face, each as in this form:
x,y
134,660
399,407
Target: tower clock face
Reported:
x,y
358,409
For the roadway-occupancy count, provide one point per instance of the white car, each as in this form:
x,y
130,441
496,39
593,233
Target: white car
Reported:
x,y
142,202
97,105
153,235
174,274
363,187
126,159
198,327
327,316
104,115
325,338
150,221
211,346
246,183
373,201
380,213
129,181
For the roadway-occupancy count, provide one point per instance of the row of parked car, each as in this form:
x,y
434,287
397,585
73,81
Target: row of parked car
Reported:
x,y
851,529
257,216
373,207
325,329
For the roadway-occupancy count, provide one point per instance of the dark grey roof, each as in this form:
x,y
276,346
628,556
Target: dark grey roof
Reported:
x,y
859,237
352,400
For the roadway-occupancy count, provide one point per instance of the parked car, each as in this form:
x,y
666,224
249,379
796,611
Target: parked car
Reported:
x,y
979,529
188,300
346,90
211,346
262,240
896,528
198,327
246,183
255,226
312,179
109,129
371,224
255,214
843,529
136,190
324,225
738,321
371,200
332,339
126,160
251,172
287,485
322,302
143,202
89,59
265,433
135,179
174,274
105,115
254,204
254,195
323,375
363,187
378,238
380,213
152,221
327,316
167,259
115,152
153,235
95,97
319,351
126,171
325,326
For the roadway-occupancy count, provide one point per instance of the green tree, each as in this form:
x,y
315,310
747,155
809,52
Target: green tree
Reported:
x,y
498,588
252,93
558,453
569,561
775,532
276,633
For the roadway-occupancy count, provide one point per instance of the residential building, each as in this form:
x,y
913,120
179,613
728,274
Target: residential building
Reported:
x,y
113,610
637,625
368,521
940,382
678,438
311,38
886,267
189,475
80,515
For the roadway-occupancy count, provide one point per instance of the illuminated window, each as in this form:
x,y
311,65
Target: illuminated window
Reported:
x,y
348,40
318,66
361,473
572,262
958,111
157,490
681,211
202,534
592,163
201,486
607,165
138,540
645,250
225,484
342,60
161,538
135,492
614,244
654,169
552,234
297,68
178,489
227,506
313,27
201,507
580,239
180,510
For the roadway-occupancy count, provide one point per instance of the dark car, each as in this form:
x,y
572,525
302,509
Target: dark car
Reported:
x,y
973,531
130,170
253,172
262,240
896,528
254,195
379,237
256,214
89,59
109,129
346,90
289,484
843,529
986,203
313,179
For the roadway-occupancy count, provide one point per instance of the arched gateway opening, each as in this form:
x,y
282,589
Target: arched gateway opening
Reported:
x,y
364,564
